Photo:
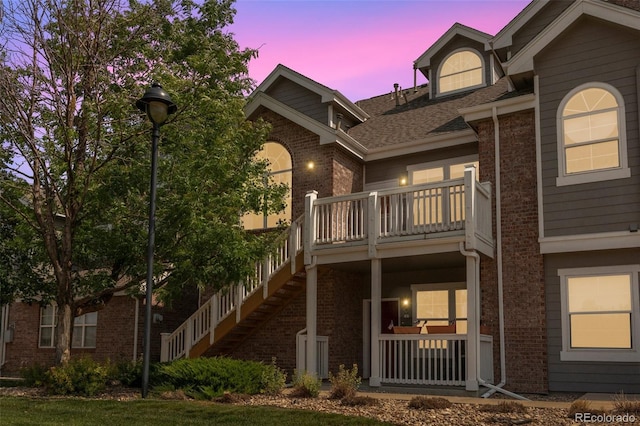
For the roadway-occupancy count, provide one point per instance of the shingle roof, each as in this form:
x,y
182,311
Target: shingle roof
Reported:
x,y
418,117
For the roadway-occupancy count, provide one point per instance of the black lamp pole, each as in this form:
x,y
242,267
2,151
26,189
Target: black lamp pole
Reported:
x,y
157,104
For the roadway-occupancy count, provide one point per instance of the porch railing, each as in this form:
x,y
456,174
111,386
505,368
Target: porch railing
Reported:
x,y
423,359
430,359
225,302
460,205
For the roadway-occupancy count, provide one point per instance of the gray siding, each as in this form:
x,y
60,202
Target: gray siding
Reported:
x,y
584,376
534,26
300,99
589,51
392,168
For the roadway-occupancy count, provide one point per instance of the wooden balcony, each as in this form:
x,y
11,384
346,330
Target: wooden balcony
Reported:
x,y
361,224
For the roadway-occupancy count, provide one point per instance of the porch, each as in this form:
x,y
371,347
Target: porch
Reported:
x,y
444,220
428,218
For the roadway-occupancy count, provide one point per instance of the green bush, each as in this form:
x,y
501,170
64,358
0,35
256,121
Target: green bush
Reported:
x,y
127,373
82,376
305,385
274,379
427,403
34,376
206,378
345,384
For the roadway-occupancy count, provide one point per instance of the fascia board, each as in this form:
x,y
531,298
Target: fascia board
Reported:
x,y
461,137
326,95
327,134
505,106
523,60
425,59
505,37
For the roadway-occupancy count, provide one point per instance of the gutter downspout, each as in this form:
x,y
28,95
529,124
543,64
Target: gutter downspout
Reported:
x,y
503,368
136,320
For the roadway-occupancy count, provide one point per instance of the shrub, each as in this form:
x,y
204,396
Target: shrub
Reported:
x,y
127,373
623,405
34,376
82,376
582,406
505,407
207,378
424,403
274,379
359,401
305,385
345,384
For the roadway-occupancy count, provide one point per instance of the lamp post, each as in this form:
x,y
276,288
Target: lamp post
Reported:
x,y
157,104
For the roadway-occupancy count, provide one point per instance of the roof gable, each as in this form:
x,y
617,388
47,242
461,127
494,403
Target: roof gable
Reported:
x,y
326,94
424,61
523,60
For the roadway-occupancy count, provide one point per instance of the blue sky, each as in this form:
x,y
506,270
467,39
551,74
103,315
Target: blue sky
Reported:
x,y
360,48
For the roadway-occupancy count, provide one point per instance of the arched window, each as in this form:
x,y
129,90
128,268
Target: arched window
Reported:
x,y
591,135
279,172
459,71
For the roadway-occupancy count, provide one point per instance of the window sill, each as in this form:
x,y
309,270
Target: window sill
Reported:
x,y
601,355
589,177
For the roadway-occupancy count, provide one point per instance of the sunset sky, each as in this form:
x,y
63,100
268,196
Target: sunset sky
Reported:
x,y
359,47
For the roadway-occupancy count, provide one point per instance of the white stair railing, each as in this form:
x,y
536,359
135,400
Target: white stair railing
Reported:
x,y
178,344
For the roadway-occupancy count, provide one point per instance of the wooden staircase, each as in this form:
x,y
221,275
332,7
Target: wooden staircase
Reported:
x,y
231,316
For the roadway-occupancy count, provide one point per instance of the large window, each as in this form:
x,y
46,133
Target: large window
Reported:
x,y
459,71
591,135
440,202
84,328
280,172
441,304
600,313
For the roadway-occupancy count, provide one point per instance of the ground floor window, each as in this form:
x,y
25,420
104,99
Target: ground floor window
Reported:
x,y
600,311
84,328
441,304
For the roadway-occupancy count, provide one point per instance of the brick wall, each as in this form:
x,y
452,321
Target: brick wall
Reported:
x,y
335,172
339,309
523,271
114,336
115,332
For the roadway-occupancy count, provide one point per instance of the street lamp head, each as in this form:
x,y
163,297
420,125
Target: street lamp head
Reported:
x,y
157,104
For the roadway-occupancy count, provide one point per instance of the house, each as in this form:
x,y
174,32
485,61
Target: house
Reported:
x,y
478,231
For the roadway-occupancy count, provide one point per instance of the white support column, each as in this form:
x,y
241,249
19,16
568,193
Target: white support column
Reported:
x,y
376,312
309,224
214,317
373,223
312,318
239,295
473,323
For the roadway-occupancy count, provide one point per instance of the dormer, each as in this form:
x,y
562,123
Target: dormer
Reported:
x,y
460,60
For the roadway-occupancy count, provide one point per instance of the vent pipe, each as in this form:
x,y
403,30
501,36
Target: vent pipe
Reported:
x,y
397,96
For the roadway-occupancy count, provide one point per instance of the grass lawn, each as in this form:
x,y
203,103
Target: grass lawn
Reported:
x,y
75,411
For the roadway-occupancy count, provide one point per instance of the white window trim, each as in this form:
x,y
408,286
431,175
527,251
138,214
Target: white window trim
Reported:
x,y
621,172
55,325
450,287
601,355
48,326
464,89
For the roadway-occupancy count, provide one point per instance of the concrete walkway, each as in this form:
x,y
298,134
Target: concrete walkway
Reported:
x,y
603,401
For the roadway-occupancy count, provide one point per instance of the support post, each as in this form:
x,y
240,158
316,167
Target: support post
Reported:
x,y
312,319
309,224
376,312
473,323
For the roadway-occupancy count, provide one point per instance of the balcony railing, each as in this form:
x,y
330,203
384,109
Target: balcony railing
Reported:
x,y
460,206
